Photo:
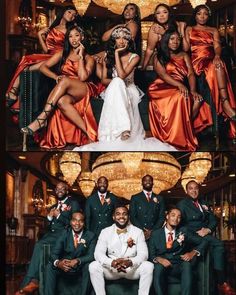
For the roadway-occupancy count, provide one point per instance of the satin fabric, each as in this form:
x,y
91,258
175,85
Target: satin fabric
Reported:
x,y
169,110
202,55
60,130
54,43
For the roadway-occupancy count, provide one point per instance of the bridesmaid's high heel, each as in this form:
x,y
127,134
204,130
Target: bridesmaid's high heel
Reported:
x,y
26,131
9,100
232,118
42,122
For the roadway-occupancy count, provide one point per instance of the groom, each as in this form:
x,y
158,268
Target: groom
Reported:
x,y
121,252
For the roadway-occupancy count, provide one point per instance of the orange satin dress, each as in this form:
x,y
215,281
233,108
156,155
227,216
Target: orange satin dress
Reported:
x,y
202,55
169,110
60,130
54,43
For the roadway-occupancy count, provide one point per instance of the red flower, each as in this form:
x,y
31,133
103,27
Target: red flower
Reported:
x,y
130,242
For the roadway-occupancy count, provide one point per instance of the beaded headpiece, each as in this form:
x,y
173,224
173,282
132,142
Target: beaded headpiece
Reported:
x,y
206,6
121,32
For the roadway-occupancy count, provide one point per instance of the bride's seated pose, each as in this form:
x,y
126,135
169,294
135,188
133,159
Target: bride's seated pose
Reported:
x,y
120,126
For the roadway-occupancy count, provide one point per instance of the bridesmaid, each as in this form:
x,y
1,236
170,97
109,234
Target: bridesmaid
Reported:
x,y
71,94
163,20
204,43
131,19
170,101
51,40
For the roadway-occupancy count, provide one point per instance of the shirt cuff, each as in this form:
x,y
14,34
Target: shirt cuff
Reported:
x,y
58,215
50,218
55,263
198,253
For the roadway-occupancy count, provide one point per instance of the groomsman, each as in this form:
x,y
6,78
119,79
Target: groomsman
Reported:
x,y
168,250
59,218
121,252
147,209
70,256
99,207
197,217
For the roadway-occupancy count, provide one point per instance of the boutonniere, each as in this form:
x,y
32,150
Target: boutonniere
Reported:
x,y
64,207
130,242
155,200
82,241
180,238
205,207
108,201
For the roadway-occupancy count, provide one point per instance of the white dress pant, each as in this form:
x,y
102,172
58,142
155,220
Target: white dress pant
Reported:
x,y
98,274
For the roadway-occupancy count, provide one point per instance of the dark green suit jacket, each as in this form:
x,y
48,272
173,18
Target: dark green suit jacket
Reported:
x,y
157,244
57,224
64,247
193,218
144,214
99,216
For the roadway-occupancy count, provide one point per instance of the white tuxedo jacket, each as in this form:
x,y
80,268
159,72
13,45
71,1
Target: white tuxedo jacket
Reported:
x,y
111,246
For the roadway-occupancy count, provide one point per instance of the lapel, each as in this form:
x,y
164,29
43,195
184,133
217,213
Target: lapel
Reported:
x,y
105,206
175,243
81,246
191,205
97,201
114,241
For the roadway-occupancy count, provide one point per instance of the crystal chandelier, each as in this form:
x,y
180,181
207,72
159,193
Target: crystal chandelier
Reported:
x,y
70,165
187,176
131,161
195,3
163,167
86,183
200,164
81,6
198,168
146,7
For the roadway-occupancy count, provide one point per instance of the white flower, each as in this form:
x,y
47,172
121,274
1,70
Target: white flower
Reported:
x,y
82,241
108,201
204,207
155,200
64,207
180,238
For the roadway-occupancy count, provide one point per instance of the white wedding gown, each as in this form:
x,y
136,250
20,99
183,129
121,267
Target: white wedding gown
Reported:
x,y
120,113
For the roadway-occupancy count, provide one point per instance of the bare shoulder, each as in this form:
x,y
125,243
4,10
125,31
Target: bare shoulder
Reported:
x,y
188,29
132,24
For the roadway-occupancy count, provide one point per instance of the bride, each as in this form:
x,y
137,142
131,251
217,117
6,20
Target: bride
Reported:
x,y
120,126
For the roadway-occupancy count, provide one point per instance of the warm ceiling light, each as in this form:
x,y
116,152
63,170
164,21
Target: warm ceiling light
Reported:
x,y
146,8
131,161
195,3
232,175
22,157
163,167
70,165
81,6
200,164
187,176
86,183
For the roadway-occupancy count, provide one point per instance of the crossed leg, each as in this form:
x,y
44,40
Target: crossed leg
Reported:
x,y
224,95
71,88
